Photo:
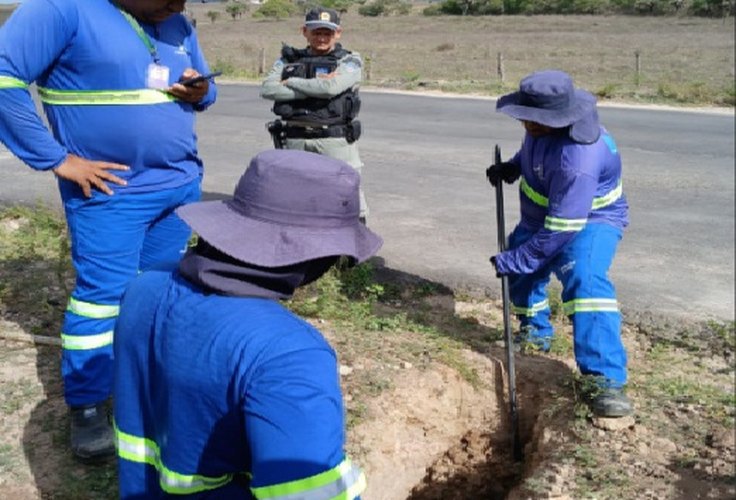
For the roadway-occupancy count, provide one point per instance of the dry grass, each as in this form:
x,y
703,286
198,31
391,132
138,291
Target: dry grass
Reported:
x,y
688,60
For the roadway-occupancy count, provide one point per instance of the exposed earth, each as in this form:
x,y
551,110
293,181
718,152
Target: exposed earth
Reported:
x,y
425,389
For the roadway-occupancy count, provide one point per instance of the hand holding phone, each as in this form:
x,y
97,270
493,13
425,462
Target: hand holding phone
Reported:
x,y
189,82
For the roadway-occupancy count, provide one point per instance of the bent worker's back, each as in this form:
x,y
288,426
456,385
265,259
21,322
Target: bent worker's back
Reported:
x,y
217,396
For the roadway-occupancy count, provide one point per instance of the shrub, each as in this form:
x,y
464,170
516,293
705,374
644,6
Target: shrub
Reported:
x,y
235,9
384,8
213,15
277,9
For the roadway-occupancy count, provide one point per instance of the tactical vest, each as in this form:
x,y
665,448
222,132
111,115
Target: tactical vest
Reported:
x,y
338,110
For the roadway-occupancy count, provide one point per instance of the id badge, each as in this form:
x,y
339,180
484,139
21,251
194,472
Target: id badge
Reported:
x,y
158,77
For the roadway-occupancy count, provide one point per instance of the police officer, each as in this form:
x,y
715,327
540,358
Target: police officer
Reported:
x,y
573,213
220,391
315,90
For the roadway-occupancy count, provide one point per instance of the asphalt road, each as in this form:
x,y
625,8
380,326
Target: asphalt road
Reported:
x,y
424,177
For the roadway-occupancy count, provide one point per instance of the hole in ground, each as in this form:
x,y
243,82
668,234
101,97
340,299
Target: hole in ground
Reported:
x,y
481,465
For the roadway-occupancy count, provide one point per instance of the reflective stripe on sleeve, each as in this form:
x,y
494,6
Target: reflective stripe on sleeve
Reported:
x,y
599,202
103,97
146,451
589,305
91,310
86,342
610,197
530,311
344,482
8,82
557,224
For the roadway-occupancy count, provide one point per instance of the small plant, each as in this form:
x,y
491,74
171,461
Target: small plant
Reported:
x,y
444,47
213,15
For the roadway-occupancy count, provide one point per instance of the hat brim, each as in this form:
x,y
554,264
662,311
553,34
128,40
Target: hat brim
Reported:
x,y
268,244
557,118
313,25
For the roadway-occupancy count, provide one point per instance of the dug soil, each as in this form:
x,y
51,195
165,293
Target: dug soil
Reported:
x,y
423,370
431,432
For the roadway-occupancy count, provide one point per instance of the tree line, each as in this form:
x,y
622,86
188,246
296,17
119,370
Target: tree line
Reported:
x,y
374,8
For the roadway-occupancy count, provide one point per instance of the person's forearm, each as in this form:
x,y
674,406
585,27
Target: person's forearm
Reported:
x,y
23,132
325,88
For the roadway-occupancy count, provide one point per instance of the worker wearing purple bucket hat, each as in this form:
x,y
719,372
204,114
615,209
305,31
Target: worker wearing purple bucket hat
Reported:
x,y
573,213
220,391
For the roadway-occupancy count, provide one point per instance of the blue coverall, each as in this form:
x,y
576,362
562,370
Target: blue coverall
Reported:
x,y
90,67
573,213
225,397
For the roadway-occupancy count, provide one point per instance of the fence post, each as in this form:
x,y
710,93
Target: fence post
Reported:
x,y
499,67
637,65
262,61
368,64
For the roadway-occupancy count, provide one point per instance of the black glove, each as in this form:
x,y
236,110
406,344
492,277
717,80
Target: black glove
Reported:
x,y
506,171
495,267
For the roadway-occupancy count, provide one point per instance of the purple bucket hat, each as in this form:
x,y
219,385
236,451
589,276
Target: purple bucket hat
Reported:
x,y
550,98
288,207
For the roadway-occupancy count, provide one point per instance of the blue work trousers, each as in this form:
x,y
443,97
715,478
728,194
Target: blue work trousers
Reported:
x,y
588,296
112,239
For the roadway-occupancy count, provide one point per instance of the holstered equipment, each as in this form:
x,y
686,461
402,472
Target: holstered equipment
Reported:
x,y
277,130
351,131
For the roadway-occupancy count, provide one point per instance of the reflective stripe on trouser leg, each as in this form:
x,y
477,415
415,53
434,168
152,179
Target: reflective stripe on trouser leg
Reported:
x,y
339,148
589,299
528,294
107,235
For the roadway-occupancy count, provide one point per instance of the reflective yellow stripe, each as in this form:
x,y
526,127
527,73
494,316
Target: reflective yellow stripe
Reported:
x,y
103,97
557,224
90,310
8,82
344,482
600,202
146,451
610,197
537,198
589,305
85,342
530,311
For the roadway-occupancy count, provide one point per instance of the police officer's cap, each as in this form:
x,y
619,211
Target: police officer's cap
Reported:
x,y
319,17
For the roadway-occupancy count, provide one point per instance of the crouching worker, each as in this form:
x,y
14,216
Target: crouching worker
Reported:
x,y
220,391
573,213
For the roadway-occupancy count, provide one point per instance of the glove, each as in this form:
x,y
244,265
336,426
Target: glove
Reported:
x,y
504,171
495,267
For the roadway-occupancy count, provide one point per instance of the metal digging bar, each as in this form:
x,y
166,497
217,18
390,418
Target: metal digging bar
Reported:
x,y
508,340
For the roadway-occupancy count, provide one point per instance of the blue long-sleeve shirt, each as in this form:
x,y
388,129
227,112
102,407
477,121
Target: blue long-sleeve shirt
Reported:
x,y
225,397
564,186
88,45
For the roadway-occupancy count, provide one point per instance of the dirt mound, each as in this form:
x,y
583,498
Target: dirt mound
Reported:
x,y
436,436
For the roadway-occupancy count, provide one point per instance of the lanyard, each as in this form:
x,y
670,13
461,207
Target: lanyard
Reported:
x,y
141,34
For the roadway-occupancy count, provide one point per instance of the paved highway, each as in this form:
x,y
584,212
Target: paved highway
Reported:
x,y
424,177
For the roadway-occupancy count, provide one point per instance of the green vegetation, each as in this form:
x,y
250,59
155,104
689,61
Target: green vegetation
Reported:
x,y
276,9
708,8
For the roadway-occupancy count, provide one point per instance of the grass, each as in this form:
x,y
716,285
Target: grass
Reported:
x,y
379,326
680,60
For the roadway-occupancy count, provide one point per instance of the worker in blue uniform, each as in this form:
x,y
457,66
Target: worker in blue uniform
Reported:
x,y
123,148
573,213
220,391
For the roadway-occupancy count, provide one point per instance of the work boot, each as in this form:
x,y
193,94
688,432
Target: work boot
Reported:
x,y
611,403
92,436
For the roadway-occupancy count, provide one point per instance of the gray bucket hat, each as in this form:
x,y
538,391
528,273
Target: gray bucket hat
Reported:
x,y
550,98
288,207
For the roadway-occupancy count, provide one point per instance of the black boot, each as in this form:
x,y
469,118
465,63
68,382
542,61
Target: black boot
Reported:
x,y
611,403
92,437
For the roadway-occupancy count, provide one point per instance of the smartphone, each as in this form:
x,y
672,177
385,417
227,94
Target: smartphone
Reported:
x,y
191,81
